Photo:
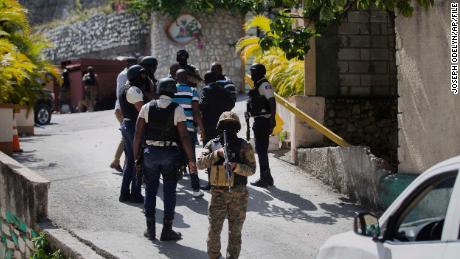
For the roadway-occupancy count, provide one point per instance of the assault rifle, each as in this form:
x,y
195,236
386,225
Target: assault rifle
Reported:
x,y
227,165
247,116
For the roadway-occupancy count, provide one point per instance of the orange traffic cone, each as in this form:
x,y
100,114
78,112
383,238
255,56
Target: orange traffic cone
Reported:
x,y
16,146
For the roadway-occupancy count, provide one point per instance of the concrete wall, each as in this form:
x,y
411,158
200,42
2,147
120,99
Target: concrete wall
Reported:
x,y
103,36
353,171
221,30
23,203
430,120
356,58
302,134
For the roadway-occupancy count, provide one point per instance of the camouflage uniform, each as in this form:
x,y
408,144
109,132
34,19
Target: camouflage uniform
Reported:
x,y
224,204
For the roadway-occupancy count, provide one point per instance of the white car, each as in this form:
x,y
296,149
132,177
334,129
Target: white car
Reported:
x,y
423,222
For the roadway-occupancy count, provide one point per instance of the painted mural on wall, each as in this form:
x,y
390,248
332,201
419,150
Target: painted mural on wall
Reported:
x,y
185,29
15,236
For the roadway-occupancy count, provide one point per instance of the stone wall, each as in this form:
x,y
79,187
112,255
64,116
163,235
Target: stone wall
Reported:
x,y
353,171
357,57
366,122
102,36
221,30
23,203
429,119
42,11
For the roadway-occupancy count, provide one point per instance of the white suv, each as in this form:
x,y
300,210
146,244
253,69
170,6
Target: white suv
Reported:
x,y
423,222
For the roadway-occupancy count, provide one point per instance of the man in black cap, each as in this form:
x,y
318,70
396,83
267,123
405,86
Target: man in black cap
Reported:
x,y
194,77
262,107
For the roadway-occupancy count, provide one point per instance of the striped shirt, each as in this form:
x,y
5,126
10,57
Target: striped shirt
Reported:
x,y
184,97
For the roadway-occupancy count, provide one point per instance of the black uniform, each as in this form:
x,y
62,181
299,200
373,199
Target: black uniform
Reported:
x,y
214,101
259,107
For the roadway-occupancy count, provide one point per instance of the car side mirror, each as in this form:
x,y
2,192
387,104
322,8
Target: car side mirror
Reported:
x,y
366,224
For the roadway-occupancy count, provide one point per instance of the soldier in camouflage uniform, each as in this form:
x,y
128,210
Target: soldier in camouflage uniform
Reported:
x,y
224,202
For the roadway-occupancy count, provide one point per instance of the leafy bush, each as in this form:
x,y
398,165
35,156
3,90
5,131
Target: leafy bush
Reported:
x,y
42,249
22,66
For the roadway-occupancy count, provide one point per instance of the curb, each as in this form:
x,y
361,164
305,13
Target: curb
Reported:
x,y
71,245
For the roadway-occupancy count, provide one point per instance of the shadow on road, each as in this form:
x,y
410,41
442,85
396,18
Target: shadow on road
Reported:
x,y
175,250
267,203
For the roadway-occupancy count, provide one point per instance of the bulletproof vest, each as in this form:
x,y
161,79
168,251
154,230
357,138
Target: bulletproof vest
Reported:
x,y
161,123
128,110
218,174
257,104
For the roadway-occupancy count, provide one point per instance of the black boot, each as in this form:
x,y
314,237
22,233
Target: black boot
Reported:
x,y
124,197
260,183
168,234
150,231
269,178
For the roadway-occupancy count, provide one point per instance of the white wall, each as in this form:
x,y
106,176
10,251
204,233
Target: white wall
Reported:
x,y
430,119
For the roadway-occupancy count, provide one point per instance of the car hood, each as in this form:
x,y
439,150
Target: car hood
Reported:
x,y
348,245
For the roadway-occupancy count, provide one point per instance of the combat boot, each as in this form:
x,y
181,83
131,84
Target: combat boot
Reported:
x,y
269,178
168,234
260,183
150,231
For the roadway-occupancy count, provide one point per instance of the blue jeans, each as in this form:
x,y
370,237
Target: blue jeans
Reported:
x,y
129,171
160,161
195,180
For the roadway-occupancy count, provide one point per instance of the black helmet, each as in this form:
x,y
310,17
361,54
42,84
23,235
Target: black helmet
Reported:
x,y
182,53
149,61
166,86
134,73
131,61
258,69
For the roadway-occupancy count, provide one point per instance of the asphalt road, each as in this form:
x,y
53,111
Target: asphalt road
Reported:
x,y
290,220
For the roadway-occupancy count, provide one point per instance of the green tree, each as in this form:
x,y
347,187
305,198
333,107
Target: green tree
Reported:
x,y
286,76
21,61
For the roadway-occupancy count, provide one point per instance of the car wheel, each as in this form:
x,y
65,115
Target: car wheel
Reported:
x,y
42,114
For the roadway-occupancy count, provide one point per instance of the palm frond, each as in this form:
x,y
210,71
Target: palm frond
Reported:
x,y
246,41
259,21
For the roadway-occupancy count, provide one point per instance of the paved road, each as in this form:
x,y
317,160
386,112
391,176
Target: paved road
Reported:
x,y
291,220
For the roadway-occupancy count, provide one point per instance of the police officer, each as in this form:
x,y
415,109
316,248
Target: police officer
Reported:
x,y
227,202
214,101
150,64
131,101
262,107
161,124
192,72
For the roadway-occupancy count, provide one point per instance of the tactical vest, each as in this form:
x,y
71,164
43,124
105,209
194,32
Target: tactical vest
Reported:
x,y
218,175
257,104
128,110
161,123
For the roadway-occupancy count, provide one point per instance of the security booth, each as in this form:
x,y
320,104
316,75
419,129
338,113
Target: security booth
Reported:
x,y
107,72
